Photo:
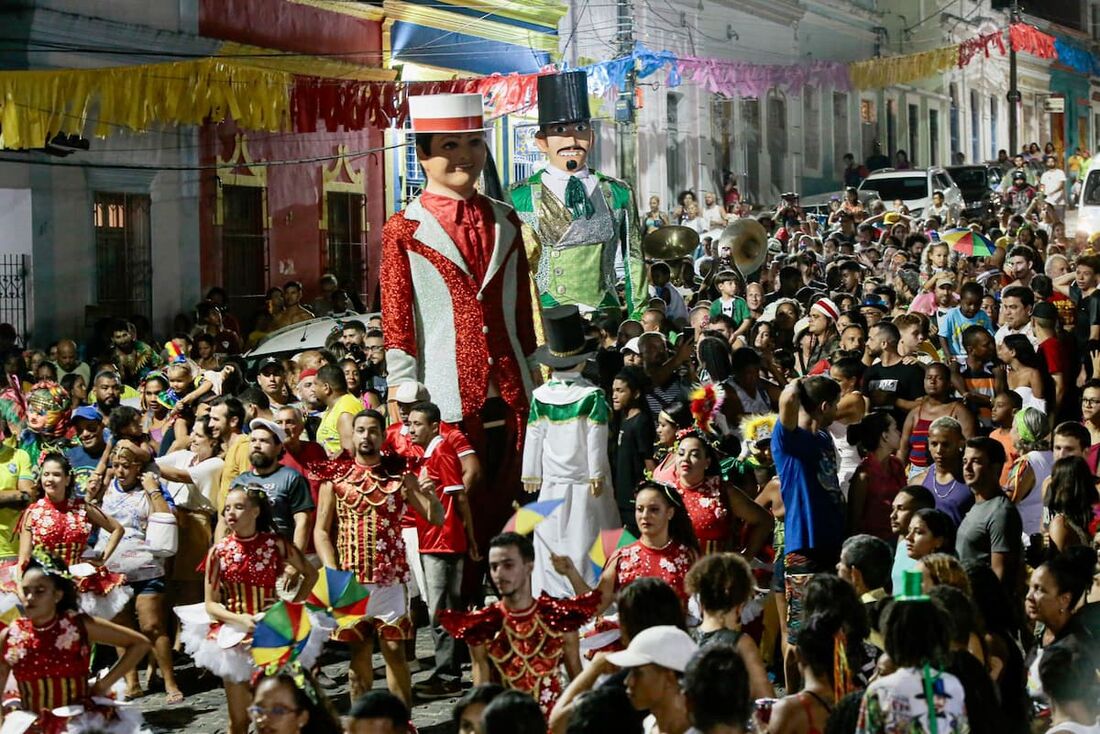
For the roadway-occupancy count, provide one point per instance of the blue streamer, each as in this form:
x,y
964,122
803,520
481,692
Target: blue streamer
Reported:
x,y
1074,56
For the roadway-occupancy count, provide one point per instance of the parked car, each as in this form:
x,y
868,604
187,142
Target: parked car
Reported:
x,y
979,184
914,187
1088,204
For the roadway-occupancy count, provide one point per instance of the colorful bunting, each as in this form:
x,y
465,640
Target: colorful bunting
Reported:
x,y
36,105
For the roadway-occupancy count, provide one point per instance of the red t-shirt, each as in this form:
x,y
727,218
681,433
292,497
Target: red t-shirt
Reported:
x,y
1067,309
1054,356
444,468
398,441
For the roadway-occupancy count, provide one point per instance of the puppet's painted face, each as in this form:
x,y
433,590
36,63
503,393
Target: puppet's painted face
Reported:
x,y
47,410
566,144
455,161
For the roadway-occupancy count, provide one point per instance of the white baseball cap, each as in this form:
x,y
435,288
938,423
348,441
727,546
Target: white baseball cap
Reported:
x,y
411,392
632,346
275,429
664,645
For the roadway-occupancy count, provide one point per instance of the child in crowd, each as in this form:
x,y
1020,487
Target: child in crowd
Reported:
x,y
958,319
729,303
1005,406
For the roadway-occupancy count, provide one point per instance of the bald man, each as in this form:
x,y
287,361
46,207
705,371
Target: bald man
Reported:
x,y
68,362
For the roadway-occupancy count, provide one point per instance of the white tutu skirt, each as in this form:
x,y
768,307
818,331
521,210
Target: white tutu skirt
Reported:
x,y
110,715
225,650
105,606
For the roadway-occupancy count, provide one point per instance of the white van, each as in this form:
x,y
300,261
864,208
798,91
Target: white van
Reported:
x,y
1088,205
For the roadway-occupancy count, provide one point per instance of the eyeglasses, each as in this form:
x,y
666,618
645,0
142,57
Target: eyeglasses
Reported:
x,y
1090,401
274,712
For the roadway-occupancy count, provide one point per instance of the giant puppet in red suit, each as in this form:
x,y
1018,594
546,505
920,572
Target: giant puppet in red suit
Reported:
x,y
456,300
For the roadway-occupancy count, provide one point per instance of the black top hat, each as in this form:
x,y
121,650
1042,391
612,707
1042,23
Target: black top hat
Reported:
x,y
563,98
566,345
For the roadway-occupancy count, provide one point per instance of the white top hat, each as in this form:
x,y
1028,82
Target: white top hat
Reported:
x,y
446,113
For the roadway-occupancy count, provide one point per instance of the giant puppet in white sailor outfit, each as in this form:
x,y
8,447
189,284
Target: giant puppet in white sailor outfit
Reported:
x,y
565,455
456,299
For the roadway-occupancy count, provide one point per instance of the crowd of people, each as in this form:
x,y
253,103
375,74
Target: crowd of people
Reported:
x,y
861,474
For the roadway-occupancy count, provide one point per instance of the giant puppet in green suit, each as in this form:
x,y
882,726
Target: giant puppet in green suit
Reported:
x,y
580,227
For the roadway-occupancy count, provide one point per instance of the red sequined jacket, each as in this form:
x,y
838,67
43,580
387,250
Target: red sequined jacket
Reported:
x,y
446,329
526,647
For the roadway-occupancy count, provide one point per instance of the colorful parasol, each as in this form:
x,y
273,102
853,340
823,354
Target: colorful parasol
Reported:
x,y
606,544
280,635
968,243
528,517
339,594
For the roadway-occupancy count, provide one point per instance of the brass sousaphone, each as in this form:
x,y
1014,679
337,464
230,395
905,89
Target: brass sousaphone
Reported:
x,y
748,243
671,242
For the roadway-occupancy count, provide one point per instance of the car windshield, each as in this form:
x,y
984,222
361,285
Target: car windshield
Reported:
x,y
905,188
1091,196
970,178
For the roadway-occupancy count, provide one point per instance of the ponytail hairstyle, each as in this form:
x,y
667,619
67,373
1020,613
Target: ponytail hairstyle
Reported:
x,y
680,528
265,521
867,434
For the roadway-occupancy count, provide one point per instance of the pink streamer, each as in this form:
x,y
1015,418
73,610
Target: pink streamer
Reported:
x,y
754,80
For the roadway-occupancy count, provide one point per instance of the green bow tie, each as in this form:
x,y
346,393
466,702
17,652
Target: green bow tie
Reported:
x,y
576,199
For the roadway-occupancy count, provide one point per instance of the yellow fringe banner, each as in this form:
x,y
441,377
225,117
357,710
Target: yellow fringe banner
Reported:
x,y
875,73
36,105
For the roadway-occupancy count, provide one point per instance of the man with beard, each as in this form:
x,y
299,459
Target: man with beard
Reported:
x,y
580,227
288,491
227,419
134,359
522,642
361,504
107,391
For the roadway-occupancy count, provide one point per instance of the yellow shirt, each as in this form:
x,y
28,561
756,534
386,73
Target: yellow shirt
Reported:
x,y
328,433
236,463
15,464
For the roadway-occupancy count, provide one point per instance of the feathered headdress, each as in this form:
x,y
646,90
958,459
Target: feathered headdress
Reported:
x,y
706,402
758,427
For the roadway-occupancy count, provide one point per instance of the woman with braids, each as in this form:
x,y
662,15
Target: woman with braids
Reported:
x,y
712,503
291,702
917,695
820,644
61,523
49,652
666,550
242,573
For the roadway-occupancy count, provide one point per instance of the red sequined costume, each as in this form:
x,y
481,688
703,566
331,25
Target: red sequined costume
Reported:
x,y
244,572
526,647
50,665
62,530
369,508
456,312
669,563
710,514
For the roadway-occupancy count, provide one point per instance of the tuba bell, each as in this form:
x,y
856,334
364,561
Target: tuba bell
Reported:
x,y
671,242
748,243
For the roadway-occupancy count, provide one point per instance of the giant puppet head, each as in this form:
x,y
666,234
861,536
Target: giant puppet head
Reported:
x,y
450,142
48,410
565,130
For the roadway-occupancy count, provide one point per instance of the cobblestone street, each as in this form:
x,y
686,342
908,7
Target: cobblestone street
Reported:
x,y
203,711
